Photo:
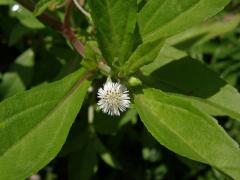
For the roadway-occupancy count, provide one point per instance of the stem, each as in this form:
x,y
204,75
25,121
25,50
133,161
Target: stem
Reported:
x,y
68,32
66,23
63,28
46,18
78,5
81,2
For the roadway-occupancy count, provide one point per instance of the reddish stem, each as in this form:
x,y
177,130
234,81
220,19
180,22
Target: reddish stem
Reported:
x,y
68,32
63,28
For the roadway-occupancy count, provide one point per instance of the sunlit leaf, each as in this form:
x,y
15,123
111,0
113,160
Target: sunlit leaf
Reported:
x,y
35,124
164,18
182,128
115,27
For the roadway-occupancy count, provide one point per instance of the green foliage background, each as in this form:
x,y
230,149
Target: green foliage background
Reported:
x,y
102,147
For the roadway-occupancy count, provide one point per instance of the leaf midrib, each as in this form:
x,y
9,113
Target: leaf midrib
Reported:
x,y
132,64
11,118
111,24
149,34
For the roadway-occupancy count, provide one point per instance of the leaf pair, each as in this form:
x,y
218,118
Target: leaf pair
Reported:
x,y
119,23
34,124
174,120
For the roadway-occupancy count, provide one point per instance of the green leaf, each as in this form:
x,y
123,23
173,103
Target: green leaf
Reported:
x,y
167,54
227,100
205,32
192,78
34,124
24,66
144,54
182,128
42,5
115,22
27,19
19,76
11,84
204,105
106,155
91,55
6,2
18,32
163,18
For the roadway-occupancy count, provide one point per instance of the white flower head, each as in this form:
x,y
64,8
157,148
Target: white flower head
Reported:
x,y
113,98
